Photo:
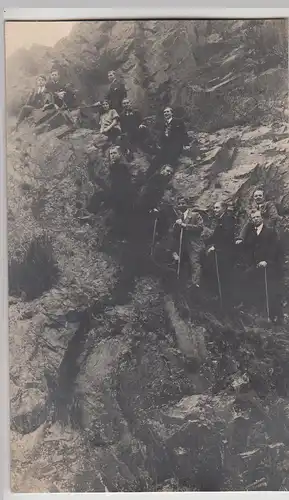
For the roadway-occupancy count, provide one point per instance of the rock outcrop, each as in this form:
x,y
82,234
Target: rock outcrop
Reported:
x,y
237,69
121,379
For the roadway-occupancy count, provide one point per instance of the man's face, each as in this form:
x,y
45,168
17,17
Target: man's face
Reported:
x,y
55,76
126,104
257,218
259,196
114,155
218,209
167,171
182,205
40,82
111,76
168,114
105,106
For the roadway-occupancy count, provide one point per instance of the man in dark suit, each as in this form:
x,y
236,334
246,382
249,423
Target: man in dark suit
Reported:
x,y
117,194
116,93
173,138
266,207
131,126
153,189
122,194
64,95
64,99
264,252
38,99
220,246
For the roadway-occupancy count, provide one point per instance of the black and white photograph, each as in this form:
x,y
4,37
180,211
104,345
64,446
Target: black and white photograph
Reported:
x,y
148,254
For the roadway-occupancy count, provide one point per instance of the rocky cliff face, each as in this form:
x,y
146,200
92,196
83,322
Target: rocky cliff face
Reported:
x,y
241,66
121,379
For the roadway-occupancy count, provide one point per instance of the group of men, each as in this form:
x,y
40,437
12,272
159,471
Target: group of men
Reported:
x,y
207,255
118,119
49,96
239,266
238,261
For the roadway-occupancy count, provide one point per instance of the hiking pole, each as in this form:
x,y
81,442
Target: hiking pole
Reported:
x,y
218,278
154,232
267,296
180,251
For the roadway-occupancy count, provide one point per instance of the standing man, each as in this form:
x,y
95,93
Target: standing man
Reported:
x,y
173,138
38,99
116,93
121,193
187,236
221,252
264,253
121,187
133,129
267,208
153,190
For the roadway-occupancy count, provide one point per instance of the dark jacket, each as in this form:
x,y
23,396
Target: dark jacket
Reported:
x,y
69,100
269,213
223,234
174,133
38,100
173,137
117,92
152,191
121,187
118,194
263,247
130,121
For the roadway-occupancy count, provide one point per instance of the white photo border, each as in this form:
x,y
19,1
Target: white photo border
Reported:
x,y
61,14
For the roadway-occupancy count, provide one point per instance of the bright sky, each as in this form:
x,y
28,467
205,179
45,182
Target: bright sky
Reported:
x,y
25,33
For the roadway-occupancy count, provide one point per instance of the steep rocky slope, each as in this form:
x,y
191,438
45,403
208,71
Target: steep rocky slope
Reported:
x,y
121,378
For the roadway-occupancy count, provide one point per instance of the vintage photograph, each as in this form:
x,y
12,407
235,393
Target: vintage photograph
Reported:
x,y
148,253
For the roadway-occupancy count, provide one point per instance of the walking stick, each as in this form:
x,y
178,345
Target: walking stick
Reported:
x,y
267,296
154,235
219,281
180,251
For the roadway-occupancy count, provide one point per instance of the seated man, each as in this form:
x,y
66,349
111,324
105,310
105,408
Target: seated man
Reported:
x,y
65,98
64,95
116,93
39,98
173,138
109,122
264,251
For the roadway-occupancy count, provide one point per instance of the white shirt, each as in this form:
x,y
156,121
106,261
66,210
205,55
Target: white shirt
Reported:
x,y
259,229
186,213
40,89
